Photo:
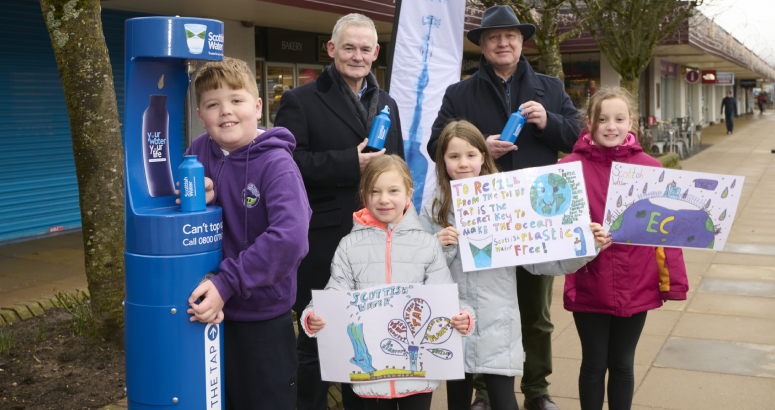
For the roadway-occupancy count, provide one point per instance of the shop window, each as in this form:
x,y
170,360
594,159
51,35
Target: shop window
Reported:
x,y
582,79
261,91
279,79
308,74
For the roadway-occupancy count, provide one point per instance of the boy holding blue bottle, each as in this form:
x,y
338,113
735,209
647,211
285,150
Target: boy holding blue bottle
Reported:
x,y
250,173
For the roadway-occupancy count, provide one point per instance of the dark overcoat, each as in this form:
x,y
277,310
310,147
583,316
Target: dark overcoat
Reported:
x,y
480,99
327,133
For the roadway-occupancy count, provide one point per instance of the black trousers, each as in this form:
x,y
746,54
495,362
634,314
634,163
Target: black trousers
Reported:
x,y
313,392
608,342
499,388
260,364
729,120
419,401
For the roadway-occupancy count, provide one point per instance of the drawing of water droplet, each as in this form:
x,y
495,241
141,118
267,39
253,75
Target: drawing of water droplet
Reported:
x,y
631,188
645,187
662,176
723,215
707,204
685,193
725,193
733,184
608,218
160,84
619,201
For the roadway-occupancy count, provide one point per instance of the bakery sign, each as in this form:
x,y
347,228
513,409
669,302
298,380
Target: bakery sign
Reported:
x,y
709,76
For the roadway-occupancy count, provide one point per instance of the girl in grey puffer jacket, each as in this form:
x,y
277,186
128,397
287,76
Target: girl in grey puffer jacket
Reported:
x,y
495,348
389,245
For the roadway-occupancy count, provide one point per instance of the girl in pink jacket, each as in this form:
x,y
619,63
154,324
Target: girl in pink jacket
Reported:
x,y
609,297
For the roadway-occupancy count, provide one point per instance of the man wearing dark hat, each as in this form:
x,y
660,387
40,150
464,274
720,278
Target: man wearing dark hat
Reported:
x,y
504,83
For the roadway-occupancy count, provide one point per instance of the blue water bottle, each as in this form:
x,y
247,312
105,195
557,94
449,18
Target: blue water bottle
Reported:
x,y
192,185
379,131
513,127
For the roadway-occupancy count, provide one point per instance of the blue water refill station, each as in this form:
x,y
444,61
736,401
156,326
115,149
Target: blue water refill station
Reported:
x,y
170,361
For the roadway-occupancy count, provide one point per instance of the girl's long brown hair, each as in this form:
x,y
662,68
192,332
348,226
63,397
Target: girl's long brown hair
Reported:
x,y
469,133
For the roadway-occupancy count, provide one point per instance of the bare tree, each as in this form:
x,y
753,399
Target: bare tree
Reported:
x,y
75,28
550,19
628,31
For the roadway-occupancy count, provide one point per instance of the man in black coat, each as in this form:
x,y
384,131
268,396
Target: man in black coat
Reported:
x,y
504,83
729,104
331,118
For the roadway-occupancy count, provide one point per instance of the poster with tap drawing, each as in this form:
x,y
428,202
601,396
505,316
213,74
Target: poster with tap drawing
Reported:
x,y
389,332
671,208
522,217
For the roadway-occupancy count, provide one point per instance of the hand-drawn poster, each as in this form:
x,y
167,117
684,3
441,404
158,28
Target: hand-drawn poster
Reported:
x,y
671,208
389,332
521,217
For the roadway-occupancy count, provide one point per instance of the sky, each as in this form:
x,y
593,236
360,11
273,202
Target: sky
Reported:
x,y
752,22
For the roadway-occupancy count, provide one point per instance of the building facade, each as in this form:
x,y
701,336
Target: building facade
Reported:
x,y
284,42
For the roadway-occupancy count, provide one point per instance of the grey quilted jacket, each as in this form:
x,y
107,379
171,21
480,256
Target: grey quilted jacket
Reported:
x,y
495,346
361,261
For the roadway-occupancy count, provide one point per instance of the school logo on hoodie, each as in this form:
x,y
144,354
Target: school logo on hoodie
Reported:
x,y
250,196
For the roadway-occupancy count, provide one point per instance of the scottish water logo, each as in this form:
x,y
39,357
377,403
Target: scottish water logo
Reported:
x,y
195,37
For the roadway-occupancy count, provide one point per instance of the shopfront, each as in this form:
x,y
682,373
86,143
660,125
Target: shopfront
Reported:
x,y
286,59
668,90
582,76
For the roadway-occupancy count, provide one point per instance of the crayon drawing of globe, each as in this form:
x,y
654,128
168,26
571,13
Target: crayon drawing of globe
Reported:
x,y
550,195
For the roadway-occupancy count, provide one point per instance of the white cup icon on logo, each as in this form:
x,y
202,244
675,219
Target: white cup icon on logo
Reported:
x,y
195,36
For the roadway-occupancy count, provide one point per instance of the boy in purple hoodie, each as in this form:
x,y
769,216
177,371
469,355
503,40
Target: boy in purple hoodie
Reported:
x,y
251,174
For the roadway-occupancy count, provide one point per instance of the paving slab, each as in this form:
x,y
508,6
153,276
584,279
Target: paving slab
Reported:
x,y
715,356
723,271
753,288
660,322
45,271
729,328
697,255
696,268
751,248
744,259
732,305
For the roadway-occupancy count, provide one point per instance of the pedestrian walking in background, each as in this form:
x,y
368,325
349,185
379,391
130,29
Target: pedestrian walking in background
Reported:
x,y
331,118
609,297
762,102
505,83
729,109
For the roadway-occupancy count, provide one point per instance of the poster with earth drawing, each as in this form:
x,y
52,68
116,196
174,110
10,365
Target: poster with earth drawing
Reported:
x,y
389,332
522,217
671,208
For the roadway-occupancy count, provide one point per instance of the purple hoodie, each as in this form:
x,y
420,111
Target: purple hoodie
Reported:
x,y
265,221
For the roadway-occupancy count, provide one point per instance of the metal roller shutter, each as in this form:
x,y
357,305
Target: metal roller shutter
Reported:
x,y
38,186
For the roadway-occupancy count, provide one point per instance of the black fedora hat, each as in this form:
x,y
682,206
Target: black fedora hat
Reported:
x,y
500,17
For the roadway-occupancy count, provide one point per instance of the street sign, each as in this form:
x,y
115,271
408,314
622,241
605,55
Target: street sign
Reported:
x,y
748,83
692,76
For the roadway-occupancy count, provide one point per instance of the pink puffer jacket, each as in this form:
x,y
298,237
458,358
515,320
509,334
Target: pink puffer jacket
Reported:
x,y
624,279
